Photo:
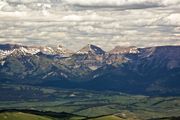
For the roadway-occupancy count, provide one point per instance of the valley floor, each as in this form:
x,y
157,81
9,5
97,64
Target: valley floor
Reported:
x,y
84,104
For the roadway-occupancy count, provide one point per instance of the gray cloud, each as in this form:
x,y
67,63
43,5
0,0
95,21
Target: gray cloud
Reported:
x,y
129,4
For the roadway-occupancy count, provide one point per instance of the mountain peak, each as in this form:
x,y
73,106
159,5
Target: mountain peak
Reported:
x,y
124,50
10,46
47,50
91,49
15,49
62,50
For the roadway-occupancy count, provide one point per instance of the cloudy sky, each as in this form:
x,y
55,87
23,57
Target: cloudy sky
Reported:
x,y
75,23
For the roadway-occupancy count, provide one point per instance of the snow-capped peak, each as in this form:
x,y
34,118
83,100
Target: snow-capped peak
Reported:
x,y
29,50
91,49
124,50
18,51
9,49
62,50
47,50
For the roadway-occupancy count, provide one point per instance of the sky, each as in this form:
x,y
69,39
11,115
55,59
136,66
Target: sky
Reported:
x,y
76,23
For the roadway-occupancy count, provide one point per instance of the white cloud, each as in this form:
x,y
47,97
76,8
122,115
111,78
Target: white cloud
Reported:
x,y
126,3
102,22
170,2
173,19
86,17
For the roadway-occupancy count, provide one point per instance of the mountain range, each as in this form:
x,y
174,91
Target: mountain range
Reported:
x,y
150,70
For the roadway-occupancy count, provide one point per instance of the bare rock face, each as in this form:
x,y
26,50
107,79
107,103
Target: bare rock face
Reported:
x,y
91,49
91,56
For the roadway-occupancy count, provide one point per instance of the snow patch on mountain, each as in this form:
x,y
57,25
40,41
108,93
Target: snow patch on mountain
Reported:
x,y
91,49
124,50
10,49
2,63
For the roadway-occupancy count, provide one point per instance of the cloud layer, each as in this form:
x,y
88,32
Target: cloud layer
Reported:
x,y
141,4
75,23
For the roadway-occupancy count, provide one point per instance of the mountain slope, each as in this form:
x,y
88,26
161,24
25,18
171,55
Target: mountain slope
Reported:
x,y
152,70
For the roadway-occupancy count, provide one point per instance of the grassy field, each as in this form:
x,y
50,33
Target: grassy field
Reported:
x,y
28,116
40,115
17,115
21,116
25,114
88,103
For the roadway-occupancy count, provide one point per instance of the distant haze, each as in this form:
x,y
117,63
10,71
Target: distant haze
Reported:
x,y
75,23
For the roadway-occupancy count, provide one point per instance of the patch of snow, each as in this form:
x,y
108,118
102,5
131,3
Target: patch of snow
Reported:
x,y
72,95
47,75
26,50
47,50
84,52
64,75
2,63
133,51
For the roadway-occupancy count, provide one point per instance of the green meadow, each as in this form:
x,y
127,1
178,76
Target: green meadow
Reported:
x,y
96,105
